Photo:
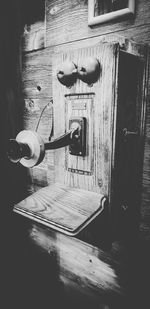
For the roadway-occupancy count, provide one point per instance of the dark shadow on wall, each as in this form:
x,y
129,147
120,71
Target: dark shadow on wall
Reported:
x,y
32,11
12,178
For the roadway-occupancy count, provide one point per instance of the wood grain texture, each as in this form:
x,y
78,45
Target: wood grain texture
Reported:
x,y
112,104
69,21
84,269
137,29
115,278
62,208
36,71
33,37
100,113
80,267
32,67
36,90
145,209
99,121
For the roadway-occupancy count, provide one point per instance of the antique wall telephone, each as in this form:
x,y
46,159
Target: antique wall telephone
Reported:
x,y
29,148
98,108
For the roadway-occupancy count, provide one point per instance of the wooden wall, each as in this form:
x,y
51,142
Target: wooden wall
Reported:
x,y
41,253
65,27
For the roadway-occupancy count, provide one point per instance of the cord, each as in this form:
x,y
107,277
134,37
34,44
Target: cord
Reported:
x,y
37,126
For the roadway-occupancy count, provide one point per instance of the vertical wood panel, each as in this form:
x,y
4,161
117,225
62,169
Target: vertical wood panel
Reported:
x,y
102,105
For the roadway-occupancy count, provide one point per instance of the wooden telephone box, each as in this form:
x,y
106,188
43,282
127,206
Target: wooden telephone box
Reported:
x,y
105,171
112,107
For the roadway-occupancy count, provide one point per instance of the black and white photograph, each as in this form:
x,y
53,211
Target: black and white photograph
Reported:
x,y
75,154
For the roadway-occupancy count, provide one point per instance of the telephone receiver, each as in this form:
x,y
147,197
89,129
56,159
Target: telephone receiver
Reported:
x,y
29,148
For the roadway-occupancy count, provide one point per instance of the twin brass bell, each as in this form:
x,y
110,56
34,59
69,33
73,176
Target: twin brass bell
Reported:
x,y
88,72
67,74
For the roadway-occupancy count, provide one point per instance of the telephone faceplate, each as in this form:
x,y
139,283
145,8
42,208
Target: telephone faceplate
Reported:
x,y
111,105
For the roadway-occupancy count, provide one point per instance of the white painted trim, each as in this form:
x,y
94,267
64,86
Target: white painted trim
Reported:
x,y
94,20
131,6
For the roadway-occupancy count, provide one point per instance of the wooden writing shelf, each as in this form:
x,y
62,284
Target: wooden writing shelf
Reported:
x,y
65,209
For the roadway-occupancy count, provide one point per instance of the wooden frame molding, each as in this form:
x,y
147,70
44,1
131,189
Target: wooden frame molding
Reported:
x,y
94,20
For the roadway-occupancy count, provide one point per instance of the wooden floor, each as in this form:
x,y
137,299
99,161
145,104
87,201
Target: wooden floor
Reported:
x,y
43,268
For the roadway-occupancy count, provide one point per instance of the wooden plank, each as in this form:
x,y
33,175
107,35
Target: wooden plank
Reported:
x,y
36,87
37,69
62,208
33,37
83,269
145,207
36,75
69,21
32,112
116,277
